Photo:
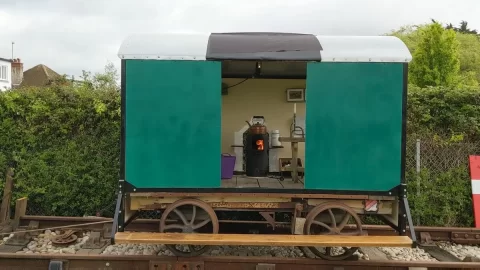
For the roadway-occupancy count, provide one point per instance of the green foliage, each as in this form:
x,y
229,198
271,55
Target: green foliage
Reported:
x,y
63,142
444,111
436,59
441,199
462,29
469,58
409,35
468,50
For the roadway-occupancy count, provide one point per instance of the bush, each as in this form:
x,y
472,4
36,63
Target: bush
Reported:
x,y
443,199
63,142
445,111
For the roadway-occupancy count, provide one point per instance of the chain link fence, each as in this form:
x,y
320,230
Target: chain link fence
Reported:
x,y
438,180
438,157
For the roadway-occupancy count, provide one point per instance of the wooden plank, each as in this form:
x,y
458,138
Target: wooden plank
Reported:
x,y
20,210
229,183
289,184
262,239
291,139
269,183
7,196
259,193
244,182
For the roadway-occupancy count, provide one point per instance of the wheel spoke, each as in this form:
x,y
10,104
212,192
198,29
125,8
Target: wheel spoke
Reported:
x,y
201,224
322,224
344,221
181,216
332,216
186,223
194,213
335,228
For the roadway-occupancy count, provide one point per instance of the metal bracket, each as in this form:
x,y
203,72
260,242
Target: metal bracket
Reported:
x,y
269,217
426,239
107,231
117,224
405,216
95,241
33,225
465,237
21,238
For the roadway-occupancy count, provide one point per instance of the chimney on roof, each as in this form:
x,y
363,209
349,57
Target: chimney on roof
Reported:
x,y
17,72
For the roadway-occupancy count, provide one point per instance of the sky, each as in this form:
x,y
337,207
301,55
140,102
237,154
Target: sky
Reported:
x,y
74,35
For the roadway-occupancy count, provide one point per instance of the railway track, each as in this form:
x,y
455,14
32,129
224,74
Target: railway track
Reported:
x,y
458,235
74,262
94,251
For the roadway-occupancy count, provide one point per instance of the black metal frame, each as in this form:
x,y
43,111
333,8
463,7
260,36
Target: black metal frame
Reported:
x,y
400,190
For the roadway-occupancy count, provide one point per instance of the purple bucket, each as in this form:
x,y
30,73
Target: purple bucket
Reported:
x,y
228,165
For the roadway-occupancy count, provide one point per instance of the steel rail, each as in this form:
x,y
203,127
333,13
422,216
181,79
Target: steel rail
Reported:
x,y
461,235
140,262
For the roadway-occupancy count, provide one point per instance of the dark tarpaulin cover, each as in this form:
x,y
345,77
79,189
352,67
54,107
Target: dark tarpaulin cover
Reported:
x,y
263,46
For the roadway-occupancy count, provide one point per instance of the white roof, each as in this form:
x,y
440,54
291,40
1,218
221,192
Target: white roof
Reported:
x,y
363,49
264,46
165,46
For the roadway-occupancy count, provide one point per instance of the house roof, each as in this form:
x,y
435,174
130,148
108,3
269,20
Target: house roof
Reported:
x,y
38,75
264,46
5,59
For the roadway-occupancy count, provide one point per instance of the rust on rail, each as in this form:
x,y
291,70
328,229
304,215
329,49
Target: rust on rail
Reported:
x,y
140,262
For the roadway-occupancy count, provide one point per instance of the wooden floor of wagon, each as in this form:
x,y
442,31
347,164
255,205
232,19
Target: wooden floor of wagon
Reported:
x,y
241,181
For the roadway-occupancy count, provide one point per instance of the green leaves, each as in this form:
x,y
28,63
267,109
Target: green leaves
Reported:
x,y
64,140
444,111
442,56
436,58
441,199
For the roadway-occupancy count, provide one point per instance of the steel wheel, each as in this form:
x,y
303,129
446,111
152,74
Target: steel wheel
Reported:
x,y
191,216
323,219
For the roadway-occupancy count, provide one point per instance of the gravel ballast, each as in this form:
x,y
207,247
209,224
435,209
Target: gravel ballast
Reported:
x,y
460,251
42,244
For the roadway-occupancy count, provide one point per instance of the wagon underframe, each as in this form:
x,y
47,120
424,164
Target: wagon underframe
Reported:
x,y
330,211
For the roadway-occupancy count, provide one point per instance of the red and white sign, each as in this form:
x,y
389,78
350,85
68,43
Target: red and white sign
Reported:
x,y
371,205
475,176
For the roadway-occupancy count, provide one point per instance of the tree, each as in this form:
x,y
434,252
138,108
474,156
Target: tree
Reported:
x,y
462,29
106,81
436,58
469,58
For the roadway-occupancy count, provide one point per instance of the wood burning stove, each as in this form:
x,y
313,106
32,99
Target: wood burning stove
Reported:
x,y
255,147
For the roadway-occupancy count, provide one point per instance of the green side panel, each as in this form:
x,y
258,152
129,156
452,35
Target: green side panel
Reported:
x,y
173,124
353,126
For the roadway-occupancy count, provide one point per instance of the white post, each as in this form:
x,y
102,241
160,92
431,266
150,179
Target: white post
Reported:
x,y
417,160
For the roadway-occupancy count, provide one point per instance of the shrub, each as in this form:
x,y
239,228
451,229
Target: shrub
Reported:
x,y
63,142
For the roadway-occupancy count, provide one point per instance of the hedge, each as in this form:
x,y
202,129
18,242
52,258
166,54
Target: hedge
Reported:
x,y
63,141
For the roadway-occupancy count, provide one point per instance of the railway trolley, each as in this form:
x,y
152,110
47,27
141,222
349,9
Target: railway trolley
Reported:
x,y
305,131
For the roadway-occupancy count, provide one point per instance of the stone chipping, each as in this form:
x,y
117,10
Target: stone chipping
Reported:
x,y
42,244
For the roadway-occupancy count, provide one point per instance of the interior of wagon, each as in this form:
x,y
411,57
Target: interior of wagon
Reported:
x,y
263,124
